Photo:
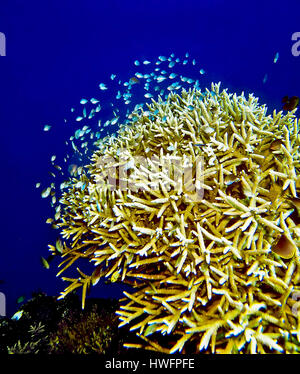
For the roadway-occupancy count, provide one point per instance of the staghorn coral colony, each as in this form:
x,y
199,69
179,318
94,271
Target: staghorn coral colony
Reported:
x,y
194,203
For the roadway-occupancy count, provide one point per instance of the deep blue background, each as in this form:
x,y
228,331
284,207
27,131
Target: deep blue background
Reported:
x,y
58,52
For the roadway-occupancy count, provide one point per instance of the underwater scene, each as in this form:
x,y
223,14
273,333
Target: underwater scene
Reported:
x,y
150,177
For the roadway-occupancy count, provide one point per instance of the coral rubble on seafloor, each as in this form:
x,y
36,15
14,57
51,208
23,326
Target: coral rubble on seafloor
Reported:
x,y
195,204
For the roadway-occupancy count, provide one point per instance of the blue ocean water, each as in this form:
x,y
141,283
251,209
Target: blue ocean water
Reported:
x,y
59,51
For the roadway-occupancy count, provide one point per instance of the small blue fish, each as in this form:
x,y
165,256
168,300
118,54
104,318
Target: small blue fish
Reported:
x,y
276,57
98,206
45,263
46,192
171,148
47,127
20,299
265,78
133,80
114,121
17,315
162,58
160,78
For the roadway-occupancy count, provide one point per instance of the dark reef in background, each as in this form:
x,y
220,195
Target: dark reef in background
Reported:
x,y
62,327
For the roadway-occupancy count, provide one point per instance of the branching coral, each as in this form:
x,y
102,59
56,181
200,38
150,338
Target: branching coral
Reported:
x,y
36,340
83,334
195,204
